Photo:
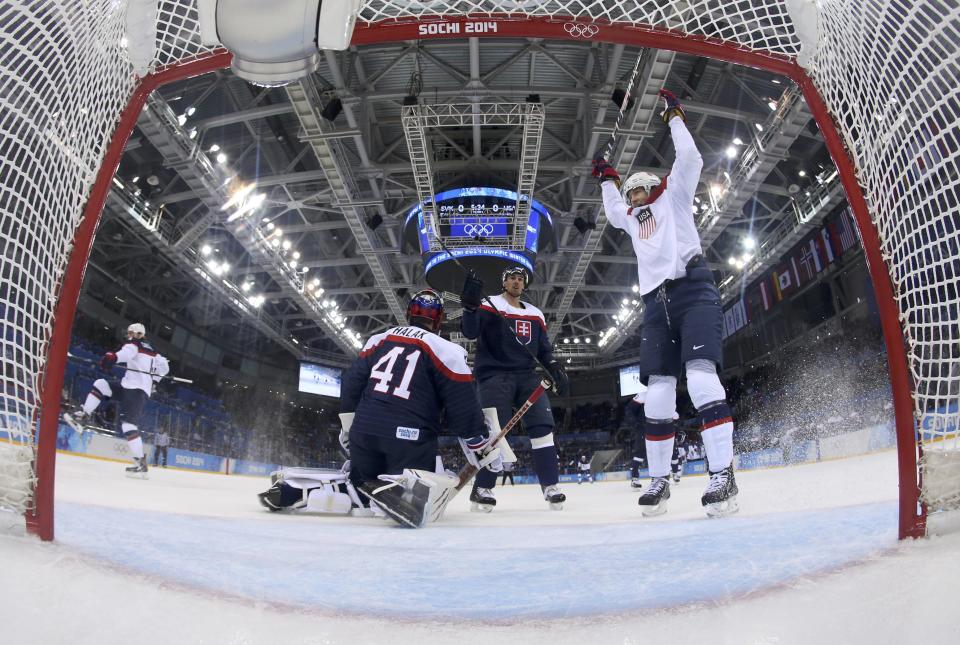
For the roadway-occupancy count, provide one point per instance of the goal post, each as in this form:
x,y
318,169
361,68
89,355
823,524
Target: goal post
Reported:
x,y
75,96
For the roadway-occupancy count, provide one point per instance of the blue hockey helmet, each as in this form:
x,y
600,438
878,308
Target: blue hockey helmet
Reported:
x,y
426,310
515,270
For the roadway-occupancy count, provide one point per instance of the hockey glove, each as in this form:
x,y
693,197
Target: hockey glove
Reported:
x,y
603,171
671,106
561,382
472,294
108,361
481,454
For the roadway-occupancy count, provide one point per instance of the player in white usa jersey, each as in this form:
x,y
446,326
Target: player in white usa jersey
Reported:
x,y
682,328
145,367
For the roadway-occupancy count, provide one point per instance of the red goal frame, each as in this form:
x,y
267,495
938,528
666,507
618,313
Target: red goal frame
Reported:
x,y
912,519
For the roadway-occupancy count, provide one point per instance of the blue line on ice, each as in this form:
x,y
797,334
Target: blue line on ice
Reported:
x,y
457,572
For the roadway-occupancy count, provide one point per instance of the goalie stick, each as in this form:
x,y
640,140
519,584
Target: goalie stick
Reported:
x,y
467,473
175,379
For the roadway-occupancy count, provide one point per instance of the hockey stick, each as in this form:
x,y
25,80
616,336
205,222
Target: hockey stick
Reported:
x,y
469,470
611,144
467,473
175,379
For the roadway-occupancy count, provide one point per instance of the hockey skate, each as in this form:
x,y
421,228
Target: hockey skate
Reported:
x,y
75,420
720,497
408,507
553,495
654,500
139,468
676,477
482,500
636,482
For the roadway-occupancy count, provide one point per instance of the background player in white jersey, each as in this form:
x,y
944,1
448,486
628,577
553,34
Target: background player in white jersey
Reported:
x,y
145,366
391,404
505,371
583,470
682,328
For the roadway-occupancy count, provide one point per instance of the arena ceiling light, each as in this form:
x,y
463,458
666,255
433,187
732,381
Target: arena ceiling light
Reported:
x,y
731,152
749,242
276,43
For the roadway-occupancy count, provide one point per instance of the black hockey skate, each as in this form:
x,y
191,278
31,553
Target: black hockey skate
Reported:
x,y
139,468
553,495
408,507
636,482
720,498
282,496
654,500
482,500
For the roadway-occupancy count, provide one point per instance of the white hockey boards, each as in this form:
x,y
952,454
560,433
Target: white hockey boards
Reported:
x,y
878,75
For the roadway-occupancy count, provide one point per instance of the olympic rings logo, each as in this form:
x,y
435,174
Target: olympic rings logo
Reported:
x,y
474,230
578,30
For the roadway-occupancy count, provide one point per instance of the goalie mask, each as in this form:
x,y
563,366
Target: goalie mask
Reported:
x,y
646,180
426,310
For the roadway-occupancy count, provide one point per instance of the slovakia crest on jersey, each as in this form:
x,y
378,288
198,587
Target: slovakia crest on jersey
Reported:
x,y
524,331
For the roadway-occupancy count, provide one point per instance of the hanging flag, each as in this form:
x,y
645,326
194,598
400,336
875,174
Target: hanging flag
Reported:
x,y
845,231
796,272
811,267
776,285
784,281
765,295
827,244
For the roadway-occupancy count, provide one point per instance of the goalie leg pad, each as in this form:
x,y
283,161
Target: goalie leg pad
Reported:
x,y
413,498
328,501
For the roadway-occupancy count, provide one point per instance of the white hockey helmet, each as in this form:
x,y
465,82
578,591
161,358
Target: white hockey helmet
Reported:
x,y
136,328
646,180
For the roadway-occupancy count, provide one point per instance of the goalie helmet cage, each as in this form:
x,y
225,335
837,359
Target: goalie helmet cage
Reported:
x,y
77,75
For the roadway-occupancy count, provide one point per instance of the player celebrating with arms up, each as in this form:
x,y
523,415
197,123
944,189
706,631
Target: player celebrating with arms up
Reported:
x,y
505,370
682,314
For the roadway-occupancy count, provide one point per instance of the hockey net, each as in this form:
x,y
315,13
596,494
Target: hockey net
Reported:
x,y
883,70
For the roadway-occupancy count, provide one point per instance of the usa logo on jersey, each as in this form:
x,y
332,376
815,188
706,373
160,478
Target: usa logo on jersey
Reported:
x,y
524,331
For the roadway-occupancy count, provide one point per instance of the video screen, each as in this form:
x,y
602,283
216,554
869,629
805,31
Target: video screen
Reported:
x,y
318,379
629,380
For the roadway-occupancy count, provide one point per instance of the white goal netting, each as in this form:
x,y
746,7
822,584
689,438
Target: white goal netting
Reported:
x,y
886,69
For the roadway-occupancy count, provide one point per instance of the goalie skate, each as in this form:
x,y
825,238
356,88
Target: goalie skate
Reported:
x,y
138,470
482,500
720,497
554,497
653,502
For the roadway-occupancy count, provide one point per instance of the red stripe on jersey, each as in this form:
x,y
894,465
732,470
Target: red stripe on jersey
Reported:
x,y
446,371
146,351
510,316
717,422
666,437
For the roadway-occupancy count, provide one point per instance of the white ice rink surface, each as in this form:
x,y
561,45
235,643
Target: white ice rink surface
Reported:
x,y
192,558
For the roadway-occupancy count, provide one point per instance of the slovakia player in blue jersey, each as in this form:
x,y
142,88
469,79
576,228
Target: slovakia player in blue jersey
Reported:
x,y
147,366
682,329
505,372
391,403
